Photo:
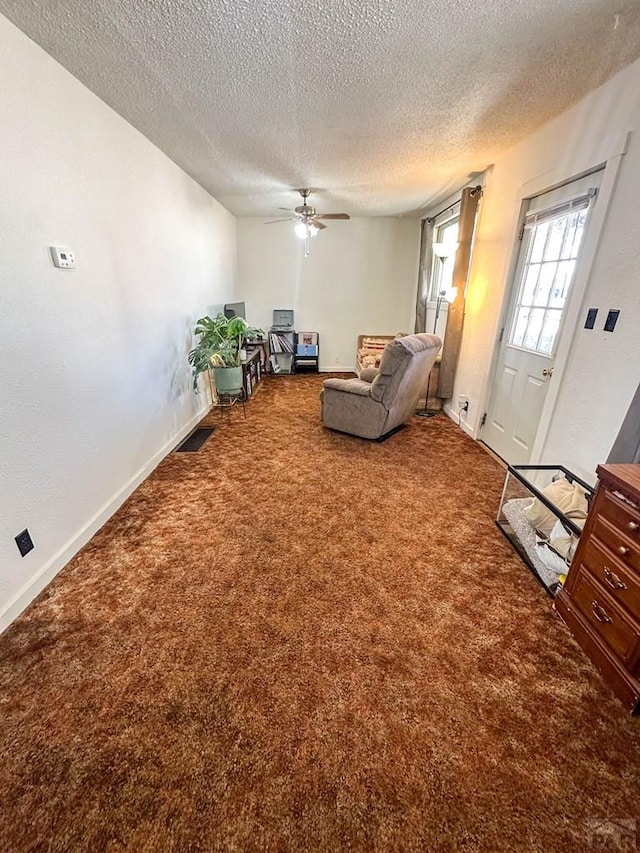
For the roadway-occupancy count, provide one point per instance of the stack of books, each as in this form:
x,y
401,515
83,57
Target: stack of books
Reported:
x,y
280,342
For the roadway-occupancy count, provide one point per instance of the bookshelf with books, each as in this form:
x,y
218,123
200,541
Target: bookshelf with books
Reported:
x,y
282,342
282,351
261,346
307,352
251,373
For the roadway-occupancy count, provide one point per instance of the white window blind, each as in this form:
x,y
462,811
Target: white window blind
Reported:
x,y
580,203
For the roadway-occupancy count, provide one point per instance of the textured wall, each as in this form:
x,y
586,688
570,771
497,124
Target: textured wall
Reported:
x,y
603,369
361,277
93,361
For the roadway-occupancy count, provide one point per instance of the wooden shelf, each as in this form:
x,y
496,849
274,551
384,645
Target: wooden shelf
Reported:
x,y
307,352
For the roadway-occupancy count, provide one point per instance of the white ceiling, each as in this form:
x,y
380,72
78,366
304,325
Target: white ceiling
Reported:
x,y
384,106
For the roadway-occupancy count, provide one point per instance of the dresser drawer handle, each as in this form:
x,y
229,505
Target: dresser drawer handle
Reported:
x,y
613,580
600,613
623,550
633,525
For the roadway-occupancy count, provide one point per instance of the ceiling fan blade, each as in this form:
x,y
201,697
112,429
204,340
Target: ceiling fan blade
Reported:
x,y
273,221
288,209
315,221
333,216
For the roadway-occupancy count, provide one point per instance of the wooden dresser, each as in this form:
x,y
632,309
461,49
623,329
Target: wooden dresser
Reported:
x,y
600,601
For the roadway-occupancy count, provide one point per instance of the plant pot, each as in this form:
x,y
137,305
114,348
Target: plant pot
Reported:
x,y
228,379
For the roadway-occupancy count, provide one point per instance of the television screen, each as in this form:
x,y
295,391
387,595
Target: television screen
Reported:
x,y
235,309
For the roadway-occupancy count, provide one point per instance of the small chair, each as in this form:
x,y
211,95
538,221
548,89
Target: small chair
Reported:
x,y
376,408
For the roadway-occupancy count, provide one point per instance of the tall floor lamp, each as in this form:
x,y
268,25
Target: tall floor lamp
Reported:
x,y
443,251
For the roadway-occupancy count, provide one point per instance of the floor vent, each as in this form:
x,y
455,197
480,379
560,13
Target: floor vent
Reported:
x,y
194,442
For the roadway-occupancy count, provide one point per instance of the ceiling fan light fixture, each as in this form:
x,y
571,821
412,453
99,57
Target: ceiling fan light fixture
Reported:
x,y
306,221
305,229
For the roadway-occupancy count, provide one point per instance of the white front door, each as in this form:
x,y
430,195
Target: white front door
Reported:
x,y
553,230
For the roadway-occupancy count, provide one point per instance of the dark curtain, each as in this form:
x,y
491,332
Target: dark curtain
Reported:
x,y
455,314
424,275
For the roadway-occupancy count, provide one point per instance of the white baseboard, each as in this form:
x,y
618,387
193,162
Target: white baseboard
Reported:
x,y
45,575
462,424
338,368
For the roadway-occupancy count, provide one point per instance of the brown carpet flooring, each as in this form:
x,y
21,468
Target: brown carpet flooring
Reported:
x,y
296,640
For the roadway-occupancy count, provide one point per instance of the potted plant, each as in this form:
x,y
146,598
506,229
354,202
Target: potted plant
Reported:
x,y
220,341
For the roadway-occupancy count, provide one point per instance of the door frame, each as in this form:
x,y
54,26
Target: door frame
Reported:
x,y
584,266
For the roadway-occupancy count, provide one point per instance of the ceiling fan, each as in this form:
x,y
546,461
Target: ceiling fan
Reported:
x,y
308,221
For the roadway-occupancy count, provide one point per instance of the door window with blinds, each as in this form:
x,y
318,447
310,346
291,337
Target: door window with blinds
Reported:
x,y
552,237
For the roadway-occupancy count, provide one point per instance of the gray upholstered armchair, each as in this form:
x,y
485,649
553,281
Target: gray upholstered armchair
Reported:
x,y
373,409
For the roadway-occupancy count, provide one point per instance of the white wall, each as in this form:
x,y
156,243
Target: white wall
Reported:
x,y
94,382
360,278
603,369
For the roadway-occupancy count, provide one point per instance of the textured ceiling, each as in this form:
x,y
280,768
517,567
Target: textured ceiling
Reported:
x,y
382,105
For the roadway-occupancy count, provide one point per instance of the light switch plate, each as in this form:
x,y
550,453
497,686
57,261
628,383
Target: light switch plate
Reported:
x,y
612,319
62,258
590,322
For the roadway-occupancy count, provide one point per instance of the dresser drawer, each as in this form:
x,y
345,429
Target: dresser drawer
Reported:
x,y
622,584
605,617
621,515
624,548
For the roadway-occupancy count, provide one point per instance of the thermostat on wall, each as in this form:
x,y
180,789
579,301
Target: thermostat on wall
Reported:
x,y
62,258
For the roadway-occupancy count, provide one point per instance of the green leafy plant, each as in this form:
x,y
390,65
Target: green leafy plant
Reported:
x,y
220,340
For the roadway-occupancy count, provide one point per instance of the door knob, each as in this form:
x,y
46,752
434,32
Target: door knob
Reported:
x,y
548,371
